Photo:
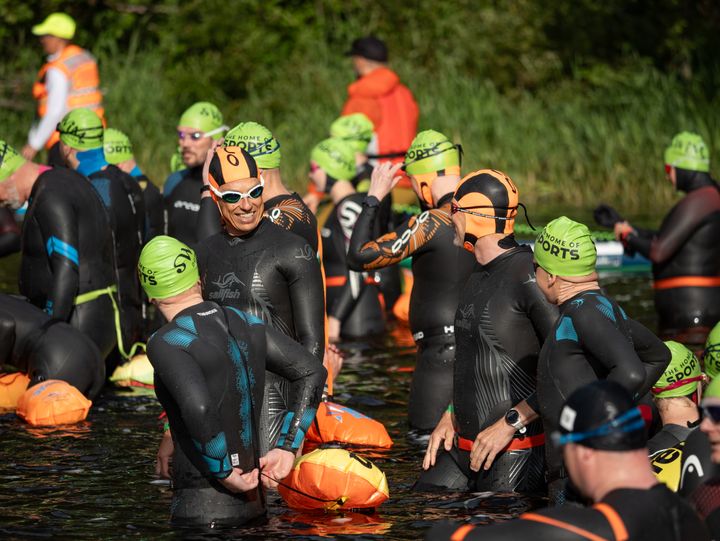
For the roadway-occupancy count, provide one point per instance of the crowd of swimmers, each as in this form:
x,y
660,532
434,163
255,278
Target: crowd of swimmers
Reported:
x,y
528,377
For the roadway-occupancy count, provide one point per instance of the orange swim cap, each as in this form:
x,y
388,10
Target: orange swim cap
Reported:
x,y
489,199
229,164
53,402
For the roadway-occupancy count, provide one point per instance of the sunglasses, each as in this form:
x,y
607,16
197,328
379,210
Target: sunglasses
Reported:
x,y
197,135
455,208
711,412
629,421
233,197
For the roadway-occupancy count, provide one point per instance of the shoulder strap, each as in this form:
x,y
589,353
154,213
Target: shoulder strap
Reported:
x,y
616,523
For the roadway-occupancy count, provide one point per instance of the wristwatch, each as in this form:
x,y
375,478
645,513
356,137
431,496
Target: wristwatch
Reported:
x,y
512,418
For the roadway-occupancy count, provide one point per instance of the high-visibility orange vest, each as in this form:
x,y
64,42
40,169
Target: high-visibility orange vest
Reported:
x,y
80,67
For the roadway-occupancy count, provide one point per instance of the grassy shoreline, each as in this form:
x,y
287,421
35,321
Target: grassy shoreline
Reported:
x,y
574,144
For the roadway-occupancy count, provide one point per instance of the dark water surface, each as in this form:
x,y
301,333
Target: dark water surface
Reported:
x,y
96,481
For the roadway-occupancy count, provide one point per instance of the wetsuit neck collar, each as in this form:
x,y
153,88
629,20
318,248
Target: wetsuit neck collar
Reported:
x,y
444,200
233,239
509,252
688,181
581,294
91,161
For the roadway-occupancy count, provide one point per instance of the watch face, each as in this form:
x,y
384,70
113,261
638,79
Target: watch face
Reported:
x,y
512,417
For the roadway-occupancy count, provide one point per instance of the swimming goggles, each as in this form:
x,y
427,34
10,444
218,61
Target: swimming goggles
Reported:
x,y
197,135
233,197
455,208
629,421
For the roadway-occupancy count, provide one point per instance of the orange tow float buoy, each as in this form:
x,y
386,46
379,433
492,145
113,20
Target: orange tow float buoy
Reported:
x,y
333,479
12,387
53,402
336,423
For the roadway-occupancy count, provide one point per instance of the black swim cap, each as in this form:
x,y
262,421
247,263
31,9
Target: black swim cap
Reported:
x,y
602,415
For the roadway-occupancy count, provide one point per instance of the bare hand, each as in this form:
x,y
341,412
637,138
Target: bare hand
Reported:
x,y
444,433
489,443
333,360
163,464
206,165
238,481
276,466
621,230
312,200
384,178
28,152
334,325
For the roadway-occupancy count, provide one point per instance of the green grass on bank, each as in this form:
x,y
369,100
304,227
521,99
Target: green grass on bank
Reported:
x,y
574,143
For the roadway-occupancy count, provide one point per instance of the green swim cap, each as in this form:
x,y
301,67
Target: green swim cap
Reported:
x,y
430,152
117,146
565,248
688,151
256,140
203,116
336,157
712,353
167,267
683,365
356,129
712,390
10,160
81,129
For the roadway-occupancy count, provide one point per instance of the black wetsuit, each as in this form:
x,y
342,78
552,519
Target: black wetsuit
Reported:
x,y
654,514
9,233
502,319
440,270
669,436
352,297
275,276
593,339
45,348
123,199
209,367
68,251
154,210
181,196
685,254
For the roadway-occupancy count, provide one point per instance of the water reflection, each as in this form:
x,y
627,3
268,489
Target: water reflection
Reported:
x,y
95,480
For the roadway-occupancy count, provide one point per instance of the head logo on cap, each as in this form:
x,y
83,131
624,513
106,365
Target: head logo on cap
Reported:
x,y
566,248
258,141
229,164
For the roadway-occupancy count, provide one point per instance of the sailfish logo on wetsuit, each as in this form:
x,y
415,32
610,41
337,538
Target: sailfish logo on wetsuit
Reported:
x,y
225,285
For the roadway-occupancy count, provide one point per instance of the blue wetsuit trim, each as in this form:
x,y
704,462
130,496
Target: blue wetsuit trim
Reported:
x,y
64,249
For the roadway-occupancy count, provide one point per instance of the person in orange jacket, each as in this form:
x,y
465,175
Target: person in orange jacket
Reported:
x,y
68,80
379,94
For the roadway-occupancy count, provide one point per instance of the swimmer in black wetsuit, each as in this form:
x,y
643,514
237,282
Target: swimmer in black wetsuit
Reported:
x,y
500,324
593,337
81,145
357,130
440,268
209,364
199,126
45,348
603,441
353,306
676,395
9,233
261,269
66,267
685,253
118,151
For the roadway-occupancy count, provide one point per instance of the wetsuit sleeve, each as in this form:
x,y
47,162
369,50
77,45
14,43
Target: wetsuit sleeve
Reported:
x,y
183,378
288,359
60,237
154,215
209,220
367,254
652,352
307,298
9,233
617,355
